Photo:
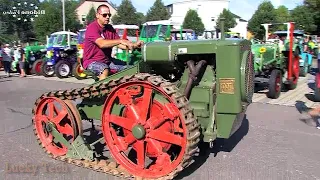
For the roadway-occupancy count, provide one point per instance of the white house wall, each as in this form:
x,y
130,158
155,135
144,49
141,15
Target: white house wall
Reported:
x,y
241,28
207,9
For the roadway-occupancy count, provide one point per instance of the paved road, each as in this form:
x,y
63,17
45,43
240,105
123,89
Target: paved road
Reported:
x,y
271,144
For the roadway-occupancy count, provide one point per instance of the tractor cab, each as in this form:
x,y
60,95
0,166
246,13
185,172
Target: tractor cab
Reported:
x,y
232,35
61,55
183,34
129,32
157,30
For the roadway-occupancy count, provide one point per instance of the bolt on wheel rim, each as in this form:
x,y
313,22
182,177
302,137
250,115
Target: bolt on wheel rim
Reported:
x,y
146,134
48,111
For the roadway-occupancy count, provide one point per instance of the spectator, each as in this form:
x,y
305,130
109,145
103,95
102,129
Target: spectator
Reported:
x,y
7,59
21,61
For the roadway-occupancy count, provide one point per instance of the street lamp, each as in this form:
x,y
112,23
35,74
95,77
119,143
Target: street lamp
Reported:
x,y
63,16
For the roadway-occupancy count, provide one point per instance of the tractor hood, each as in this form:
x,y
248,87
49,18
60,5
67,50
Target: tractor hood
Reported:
x,y
167,50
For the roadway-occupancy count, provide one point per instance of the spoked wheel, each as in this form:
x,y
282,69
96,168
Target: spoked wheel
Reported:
x,y
144,129
62,69
55,112
292,84
36,67
275,84
78,71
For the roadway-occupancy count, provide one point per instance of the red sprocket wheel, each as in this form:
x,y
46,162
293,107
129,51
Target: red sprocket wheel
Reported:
x,y
55,111
144,129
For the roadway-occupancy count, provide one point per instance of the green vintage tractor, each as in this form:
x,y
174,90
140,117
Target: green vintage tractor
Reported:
x,y
152,124
275,64
157,30
34,54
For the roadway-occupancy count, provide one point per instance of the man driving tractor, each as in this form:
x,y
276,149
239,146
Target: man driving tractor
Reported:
x,y
100,38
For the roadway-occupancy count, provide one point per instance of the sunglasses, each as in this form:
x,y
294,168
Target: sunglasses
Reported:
x,y
107,14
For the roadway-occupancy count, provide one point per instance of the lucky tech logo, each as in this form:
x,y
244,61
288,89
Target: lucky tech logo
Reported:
x,y
24,11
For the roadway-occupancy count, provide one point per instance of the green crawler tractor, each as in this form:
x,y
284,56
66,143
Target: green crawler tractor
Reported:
x,y
153,115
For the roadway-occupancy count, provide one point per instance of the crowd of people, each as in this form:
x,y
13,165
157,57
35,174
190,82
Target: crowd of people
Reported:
x,y
10,57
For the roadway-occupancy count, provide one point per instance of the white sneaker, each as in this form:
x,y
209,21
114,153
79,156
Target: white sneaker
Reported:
x,y
318,127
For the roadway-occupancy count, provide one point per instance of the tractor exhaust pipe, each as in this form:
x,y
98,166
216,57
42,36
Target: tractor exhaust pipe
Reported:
x,y
193,75
223,37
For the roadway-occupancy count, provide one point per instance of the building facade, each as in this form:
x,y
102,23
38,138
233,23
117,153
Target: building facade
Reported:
x,y
85,6
208,11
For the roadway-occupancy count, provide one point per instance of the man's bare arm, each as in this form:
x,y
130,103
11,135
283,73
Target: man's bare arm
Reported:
x,y
102,43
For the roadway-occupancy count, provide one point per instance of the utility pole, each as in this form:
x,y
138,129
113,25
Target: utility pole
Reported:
x,y
63,16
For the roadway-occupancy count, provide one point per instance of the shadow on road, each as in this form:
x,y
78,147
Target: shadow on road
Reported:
x,y
305,117
220,145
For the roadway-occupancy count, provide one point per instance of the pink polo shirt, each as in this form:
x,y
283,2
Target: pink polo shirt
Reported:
x,y
91,51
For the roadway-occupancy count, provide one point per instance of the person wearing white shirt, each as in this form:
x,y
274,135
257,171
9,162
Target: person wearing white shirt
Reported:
x,y
7,59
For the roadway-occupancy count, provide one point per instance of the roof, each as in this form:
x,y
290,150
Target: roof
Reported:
x,y
285,32
183,30
64,32
162,22
125,26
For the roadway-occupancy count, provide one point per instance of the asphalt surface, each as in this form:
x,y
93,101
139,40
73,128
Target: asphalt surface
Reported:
x,y
272,143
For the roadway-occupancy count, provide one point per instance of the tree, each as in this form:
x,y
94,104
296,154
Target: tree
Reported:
x,y
126,14
230,21
157,12
52,20
264,14
141,18
114,5
91,16
194,22
303,19
282,16
313,6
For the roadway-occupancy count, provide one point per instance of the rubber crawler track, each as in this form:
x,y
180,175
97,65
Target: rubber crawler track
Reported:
x,y
110,166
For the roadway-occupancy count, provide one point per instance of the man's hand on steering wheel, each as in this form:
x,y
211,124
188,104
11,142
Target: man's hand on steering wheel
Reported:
x,y
127,43
138,44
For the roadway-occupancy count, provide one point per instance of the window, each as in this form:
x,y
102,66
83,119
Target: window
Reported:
x,y
83,18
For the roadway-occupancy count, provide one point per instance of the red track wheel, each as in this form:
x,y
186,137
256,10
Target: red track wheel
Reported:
x,y
144,129
55,111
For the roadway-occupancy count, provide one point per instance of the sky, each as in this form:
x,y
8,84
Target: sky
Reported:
x,y
242,8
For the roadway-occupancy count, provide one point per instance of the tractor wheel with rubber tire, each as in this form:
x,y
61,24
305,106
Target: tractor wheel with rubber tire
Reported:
x,y
62,69
36,67
304,69
47,70
78,71
275,84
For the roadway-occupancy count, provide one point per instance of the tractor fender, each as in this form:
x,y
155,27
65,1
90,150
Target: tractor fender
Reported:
x,y
309,59
317,80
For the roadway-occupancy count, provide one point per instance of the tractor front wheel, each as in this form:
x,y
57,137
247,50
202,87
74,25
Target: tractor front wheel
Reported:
x,y
51,112
275,84
149,128
62,69
47,70
78,71
36,67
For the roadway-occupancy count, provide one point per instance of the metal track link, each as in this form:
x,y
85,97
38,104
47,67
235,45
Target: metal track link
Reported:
x,y
109,166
